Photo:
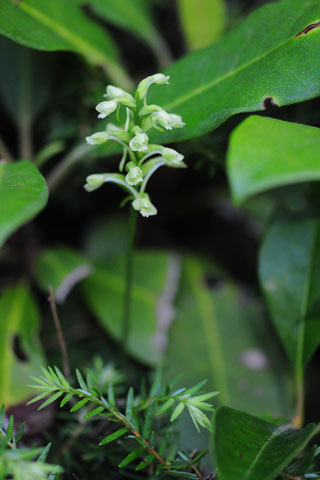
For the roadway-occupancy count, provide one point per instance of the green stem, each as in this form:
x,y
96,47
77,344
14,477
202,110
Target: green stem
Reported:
x,y
299,415
126,324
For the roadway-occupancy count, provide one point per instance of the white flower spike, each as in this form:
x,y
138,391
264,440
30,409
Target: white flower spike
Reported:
x,y
134,171
106,108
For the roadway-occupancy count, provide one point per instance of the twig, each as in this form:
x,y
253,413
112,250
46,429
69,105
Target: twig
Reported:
x,y
139,436
195,469
5,152
62,344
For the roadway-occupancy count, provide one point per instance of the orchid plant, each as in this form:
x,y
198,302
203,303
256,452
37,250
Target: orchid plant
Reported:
x,y
140,159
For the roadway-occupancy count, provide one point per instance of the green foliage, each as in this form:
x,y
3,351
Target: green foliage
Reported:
x,y
104,291
24,193
219,81
138,422
227,339
60,26
61,268
190,318
287,154
203,21
134,16
290,282
251,449
20,349
21,463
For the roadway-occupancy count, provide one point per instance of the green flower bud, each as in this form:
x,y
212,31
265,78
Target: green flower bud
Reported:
x,y
120,96
134,175
172,156
97,138
144,85
143,205
94,182
139,143
106,108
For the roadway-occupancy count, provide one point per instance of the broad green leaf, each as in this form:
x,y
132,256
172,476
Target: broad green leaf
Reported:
x,y
221,335
226,341
25,82
289,269
248,448
61,268
20,350
265,153
106,239
266,57
60,25
134,16
24,193
104,295
203,21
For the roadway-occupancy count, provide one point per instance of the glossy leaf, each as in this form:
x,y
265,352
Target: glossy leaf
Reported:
x,y
60,25
104,295
289,269
225,340
25,83
249,448
62,268
221,335
264,57
202,21
265,153
24,193
20,351
134,16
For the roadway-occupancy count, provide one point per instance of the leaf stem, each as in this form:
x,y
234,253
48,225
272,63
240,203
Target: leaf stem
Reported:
x,y
128,279
62,343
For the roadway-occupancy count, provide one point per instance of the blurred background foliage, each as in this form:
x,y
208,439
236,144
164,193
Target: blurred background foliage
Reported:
x,y
197,304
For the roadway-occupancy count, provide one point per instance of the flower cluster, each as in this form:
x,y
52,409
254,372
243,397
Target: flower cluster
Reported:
x,y
140,159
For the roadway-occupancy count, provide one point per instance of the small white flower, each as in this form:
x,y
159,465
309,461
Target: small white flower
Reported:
x,y
144,85
106,108
120,96
134,175
172,156
139,143
163,119
97,138
143,205
94,181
